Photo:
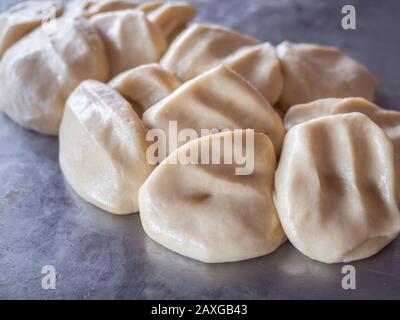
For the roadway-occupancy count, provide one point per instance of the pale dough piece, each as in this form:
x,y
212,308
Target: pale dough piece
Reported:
x,y
130,39
314,72
206,211
336,188
217,99
24,17
103,148
89,8
149,6
172,17
388,120
38,73
202,47
145,85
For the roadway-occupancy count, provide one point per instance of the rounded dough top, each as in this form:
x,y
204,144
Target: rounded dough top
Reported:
x,y
202,211
336,188
313,72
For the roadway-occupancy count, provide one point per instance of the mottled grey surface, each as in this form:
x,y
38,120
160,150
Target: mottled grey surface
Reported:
x,y
97,255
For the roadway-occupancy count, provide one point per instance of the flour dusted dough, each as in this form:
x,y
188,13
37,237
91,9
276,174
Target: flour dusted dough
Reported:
x,y
314,72
217,99
103,148
91,7
336,187
208,213
130,39
202,47
388,120
22,18
145,85
38,73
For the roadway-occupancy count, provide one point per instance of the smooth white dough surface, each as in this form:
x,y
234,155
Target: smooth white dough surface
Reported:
x,y
38,73
103,148
314,72
206,212
336,188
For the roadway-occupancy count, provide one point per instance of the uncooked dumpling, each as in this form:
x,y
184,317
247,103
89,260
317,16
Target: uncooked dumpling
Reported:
x,y
91,7
103,148
314,72
130,39
145,85
388,120
202,47
206,211
172,17
217,99
38,73
22,18
336,187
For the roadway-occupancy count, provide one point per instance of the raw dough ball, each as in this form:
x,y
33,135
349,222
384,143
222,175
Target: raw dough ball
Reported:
x,y
313,72
206,212
38,73
145,85
388,120
217,99
172,17
336,187
22,18
202,47
149,6
130,39
103,148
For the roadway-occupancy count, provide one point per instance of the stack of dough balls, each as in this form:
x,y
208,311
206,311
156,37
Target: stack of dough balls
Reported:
x,y
105,75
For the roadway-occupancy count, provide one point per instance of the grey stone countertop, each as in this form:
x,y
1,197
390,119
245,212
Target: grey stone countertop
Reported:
x,y
97,255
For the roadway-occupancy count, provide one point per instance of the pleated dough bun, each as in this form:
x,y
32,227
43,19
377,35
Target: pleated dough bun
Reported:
x,y
206,212
336,187
38,73
171,17
314,72
22,18
202,47
217,99
130,39
145,85
91,7
388,120
103,148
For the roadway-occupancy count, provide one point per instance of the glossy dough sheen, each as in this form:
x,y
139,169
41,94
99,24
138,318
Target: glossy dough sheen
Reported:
x,y
336,187
202,211
314,72
130,39
202,47
145,85
103,148
22,18
38,73
217,99
388,120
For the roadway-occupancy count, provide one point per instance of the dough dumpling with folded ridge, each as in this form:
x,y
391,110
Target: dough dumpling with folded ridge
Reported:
x,y
130,39
38,73
145,85
217,99
336,188
202,47
207,211
388,120
24,17
314,72
103,148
